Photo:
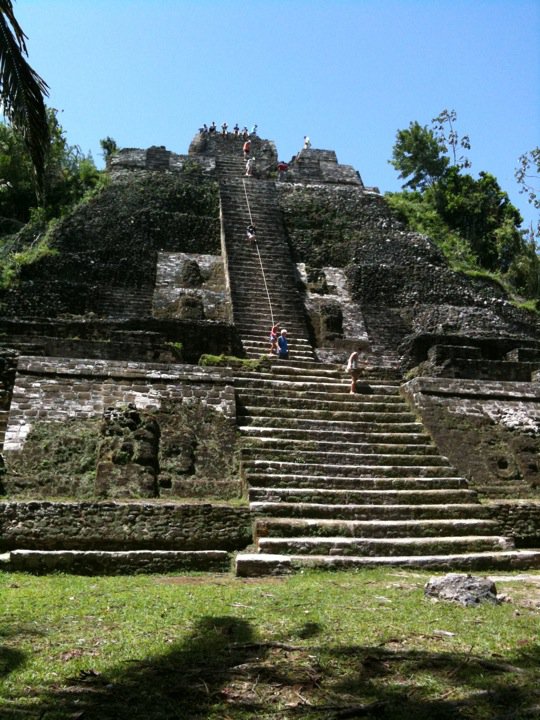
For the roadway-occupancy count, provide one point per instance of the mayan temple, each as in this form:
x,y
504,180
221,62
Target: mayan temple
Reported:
x,y
146,426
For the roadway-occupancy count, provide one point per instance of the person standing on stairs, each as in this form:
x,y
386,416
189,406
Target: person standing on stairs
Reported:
x,y
251,234
355,364
282,168
283,346
246,149
274,340
249,166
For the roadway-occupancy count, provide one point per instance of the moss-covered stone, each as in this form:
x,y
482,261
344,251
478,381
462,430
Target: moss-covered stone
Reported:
x,y
114,240
58,460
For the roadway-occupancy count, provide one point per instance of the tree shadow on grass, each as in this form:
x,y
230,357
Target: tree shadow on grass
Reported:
x,y
10,659
183,683
222,672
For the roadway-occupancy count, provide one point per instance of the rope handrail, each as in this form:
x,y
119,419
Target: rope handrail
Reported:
x,y
259,255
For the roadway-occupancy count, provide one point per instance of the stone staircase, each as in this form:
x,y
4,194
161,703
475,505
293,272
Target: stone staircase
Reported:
x,y
262,276
337,480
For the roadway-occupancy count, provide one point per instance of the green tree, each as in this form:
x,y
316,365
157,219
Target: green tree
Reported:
x,y
471,219
418,154
445,131
527,175
17,190
109,147
22,91
68,174
481,213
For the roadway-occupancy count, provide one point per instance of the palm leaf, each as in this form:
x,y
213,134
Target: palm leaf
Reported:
x,y
22,90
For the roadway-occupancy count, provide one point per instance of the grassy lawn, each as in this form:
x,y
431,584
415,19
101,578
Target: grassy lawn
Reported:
x,y
312,646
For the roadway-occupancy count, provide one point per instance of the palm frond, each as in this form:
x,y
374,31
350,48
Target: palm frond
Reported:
x,y
22,90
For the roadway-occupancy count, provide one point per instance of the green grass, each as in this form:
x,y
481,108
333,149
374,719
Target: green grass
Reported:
x,y
310,646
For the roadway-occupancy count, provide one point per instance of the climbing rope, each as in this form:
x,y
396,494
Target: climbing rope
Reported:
x,y
259,255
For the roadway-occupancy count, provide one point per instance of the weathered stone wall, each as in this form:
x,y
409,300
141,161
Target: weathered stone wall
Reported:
x,y
519,520
136,339
122,526
489,431
325,222
107,248
207,145
53,441
191,286
316,166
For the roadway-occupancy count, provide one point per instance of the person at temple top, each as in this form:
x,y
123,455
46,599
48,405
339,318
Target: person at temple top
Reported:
x,y
283,345
254,129
236,129
274,340
245,132
212,128
307,142
224,127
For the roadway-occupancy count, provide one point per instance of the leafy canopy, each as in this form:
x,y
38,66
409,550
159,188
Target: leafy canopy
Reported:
x,y
471,219
22,91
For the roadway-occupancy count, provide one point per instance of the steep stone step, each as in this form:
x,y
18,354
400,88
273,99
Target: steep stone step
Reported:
x,y
337,426
381,546
392,415
273,480
310,457
331,434
268,394
302,468
359,497
335,406
257,444
423,511
257,565
320,527
278,387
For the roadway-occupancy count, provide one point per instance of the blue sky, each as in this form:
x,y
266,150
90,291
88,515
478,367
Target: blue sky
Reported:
x,y
349,73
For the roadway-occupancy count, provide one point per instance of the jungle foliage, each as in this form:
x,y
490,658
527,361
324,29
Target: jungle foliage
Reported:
x,y
27,218
471,219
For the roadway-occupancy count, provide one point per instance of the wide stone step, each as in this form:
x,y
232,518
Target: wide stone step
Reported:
x,y
381,546
320,527
257,565
370,512
304,403
396,414
345,496
270,443
271,467
310,457
336,426
262,480
277,387
270,397
94,562
264,432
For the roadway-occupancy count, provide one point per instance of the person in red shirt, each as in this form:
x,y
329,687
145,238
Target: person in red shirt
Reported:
x,y
282,168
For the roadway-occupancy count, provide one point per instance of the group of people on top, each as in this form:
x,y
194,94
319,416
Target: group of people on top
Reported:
x,y
213,130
